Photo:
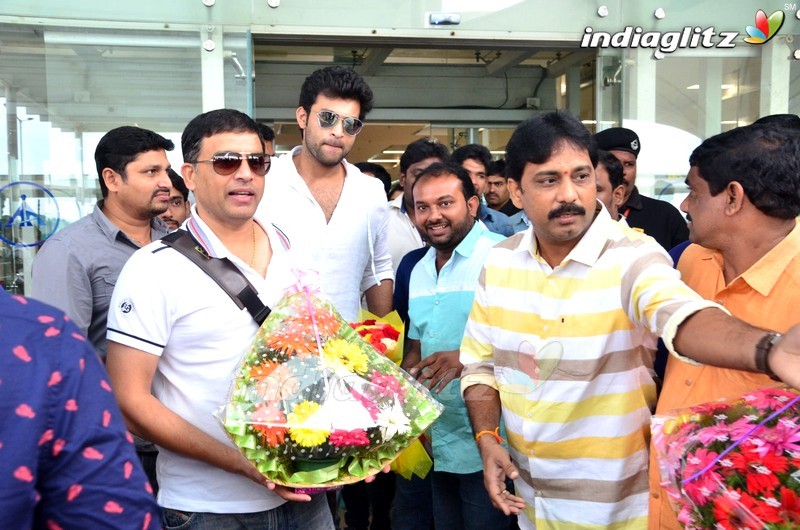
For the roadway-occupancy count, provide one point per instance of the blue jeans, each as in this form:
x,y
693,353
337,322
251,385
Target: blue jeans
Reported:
x,y
313,515
412,508
462,503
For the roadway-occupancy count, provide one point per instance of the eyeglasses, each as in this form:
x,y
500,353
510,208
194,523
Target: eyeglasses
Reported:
x,y
328,118
228,162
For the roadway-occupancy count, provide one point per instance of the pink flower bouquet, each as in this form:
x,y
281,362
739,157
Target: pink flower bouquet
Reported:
x,y
314,405
733,465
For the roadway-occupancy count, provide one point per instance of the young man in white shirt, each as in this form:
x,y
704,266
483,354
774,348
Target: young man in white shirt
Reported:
x,y
326,203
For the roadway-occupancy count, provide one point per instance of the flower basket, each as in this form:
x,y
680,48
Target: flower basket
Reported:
x,y
733,464
313,405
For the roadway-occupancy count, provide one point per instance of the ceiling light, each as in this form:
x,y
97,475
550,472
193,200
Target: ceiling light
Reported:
x,y
693,87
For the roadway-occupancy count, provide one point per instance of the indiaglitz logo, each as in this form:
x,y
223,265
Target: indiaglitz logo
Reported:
x,y
663,42
765,28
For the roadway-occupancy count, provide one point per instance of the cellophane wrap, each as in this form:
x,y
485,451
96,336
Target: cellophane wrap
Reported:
x,y
733,464
313,405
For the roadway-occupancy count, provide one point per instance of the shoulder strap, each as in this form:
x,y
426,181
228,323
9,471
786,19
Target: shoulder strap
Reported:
x,y
222,271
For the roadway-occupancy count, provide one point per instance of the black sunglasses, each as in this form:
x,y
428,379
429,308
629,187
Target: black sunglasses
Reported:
x,y
328,118
228,162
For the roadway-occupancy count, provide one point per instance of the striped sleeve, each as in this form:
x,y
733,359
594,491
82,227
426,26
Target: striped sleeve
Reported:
x,y
476,347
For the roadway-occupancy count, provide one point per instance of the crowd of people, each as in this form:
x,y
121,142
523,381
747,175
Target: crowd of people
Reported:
x,y
534,291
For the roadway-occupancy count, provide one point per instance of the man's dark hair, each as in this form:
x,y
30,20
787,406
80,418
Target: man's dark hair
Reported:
x,y
266,132
378,171
498,167
119,147
613,167
448,168
336,82
211,123
178,183
419,150
534,140
763,158
474,151
787,120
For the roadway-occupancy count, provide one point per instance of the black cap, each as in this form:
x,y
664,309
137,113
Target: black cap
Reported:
x,y
618,139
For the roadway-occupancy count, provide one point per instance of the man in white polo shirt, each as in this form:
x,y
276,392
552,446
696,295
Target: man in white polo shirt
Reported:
x,y
184,338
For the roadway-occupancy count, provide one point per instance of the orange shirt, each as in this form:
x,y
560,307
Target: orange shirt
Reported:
x,y
767,295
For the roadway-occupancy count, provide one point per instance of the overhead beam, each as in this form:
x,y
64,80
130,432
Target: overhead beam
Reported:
x,y
373,60
561,66
507,61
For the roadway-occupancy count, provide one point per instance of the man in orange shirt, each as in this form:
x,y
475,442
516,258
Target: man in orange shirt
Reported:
x,y
744,198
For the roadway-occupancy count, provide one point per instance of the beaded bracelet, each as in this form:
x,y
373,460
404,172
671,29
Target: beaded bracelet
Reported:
x,y
495,434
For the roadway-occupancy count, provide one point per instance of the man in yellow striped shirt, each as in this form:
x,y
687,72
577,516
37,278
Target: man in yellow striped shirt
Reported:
x,y
561,339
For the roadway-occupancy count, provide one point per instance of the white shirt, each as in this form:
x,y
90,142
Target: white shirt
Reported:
x,y
350,252
403,235
165,305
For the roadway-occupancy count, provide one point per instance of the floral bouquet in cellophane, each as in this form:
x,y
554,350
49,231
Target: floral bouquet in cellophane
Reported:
x,y
313,405
733,464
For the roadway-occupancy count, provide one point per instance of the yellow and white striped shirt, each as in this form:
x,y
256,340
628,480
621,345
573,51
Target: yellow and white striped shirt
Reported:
x,y
570,351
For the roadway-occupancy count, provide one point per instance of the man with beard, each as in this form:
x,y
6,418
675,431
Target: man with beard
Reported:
x,y
561,336
76,268
179,208
442,281
326,204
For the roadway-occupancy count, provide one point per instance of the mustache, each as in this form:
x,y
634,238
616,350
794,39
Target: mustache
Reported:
x,y
566,209
160,190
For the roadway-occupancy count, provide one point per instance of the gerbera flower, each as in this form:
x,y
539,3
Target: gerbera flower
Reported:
x,y
305,437
785,436
769,398
759,471
347,355
384,385
732,514
698,489
281,384
354,438
269,422
392,421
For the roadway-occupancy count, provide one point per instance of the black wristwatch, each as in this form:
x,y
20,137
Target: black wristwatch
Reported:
x,y
763,349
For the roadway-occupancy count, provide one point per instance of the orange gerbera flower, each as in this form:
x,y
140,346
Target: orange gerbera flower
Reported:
x,y
292,339
264,419
261,371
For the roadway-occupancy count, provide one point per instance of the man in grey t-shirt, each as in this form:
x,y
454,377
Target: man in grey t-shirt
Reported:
x,y
77,268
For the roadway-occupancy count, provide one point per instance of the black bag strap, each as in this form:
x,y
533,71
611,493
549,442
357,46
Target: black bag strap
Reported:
x,y
222,271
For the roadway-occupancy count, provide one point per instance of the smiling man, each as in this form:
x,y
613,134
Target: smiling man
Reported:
x,y
561,340
325,203
442,281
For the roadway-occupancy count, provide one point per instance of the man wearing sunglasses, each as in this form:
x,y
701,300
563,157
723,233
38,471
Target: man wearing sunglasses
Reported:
x,y
186,343
326,203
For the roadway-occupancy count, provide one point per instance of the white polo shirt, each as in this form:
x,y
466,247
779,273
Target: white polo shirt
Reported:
x,y
165,305
351,252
